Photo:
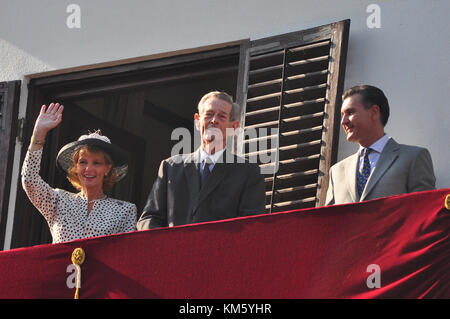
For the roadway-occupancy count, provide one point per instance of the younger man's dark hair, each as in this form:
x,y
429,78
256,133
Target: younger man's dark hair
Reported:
x,y
371,95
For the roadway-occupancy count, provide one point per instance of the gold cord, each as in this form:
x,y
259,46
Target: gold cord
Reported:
x,y
78,257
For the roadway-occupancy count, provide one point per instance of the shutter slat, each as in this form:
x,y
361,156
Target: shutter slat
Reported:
x,y
261,84
292,189
292,175
264,97
283,134
266,124
294,202
262,111
306,75
287,120
322,44
284,148
294,160
303,131
266,56
303,103
287,106
303,117
266,69
309,61
308,88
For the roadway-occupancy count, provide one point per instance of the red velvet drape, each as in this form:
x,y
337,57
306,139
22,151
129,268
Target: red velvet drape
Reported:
x,y
401,242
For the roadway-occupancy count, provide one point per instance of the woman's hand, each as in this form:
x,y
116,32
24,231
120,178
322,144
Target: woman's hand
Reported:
x,y
49,118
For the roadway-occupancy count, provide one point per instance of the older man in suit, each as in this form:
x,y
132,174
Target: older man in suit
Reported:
x,y
209,184
381,167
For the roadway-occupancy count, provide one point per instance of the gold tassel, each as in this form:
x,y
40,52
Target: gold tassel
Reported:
x,y
447,202
78,257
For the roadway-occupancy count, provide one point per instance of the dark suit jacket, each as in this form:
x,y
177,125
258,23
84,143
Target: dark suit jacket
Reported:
x,y
400,169
233,190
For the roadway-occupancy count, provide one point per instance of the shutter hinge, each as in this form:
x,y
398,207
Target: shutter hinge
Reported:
x,y
20,129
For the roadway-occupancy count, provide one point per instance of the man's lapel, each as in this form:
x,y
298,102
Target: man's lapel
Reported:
x,y
192,173
350,176
387,157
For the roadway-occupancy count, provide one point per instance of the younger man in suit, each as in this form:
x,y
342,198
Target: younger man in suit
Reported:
x,y
209,184
381,167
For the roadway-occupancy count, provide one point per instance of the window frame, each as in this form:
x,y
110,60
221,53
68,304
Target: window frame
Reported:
x,y
9,108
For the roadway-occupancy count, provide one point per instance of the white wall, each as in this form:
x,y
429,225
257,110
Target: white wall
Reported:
x,y
408,57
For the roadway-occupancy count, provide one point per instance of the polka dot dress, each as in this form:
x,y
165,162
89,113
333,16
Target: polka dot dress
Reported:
x,y
67,213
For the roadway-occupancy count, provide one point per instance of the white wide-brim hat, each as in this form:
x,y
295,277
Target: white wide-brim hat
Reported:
x,y
64,159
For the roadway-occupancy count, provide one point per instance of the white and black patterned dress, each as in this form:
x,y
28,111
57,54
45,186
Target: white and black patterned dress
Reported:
x,y
67,213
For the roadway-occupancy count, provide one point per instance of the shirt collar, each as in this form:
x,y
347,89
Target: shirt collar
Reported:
x,y
214,157
378,146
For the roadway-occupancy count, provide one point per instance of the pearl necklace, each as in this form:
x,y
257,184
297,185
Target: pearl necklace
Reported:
x,y
94,200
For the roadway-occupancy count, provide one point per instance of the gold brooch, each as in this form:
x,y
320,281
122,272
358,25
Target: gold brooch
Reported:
x,y
78,257
447,202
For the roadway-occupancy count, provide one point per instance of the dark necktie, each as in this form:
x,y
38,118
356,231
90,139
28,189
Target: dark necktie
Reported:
x,y
363,176
206,170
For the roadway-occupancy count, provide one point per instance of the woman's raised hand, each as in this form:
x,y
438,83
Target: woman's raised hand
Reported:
x,y
49,117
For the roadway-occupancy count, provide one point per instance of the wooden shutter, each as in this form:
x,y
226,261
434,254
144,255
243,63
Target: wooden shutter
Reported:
x,y
294,84
9,108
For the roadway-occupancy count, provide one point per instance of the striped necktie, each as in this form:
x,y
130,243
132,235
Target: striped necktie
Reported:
x,y
363,175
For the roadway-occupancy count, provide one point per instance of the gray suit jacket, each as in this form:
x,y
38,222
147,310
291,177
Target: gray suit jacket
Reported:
x,y
233,190
400,169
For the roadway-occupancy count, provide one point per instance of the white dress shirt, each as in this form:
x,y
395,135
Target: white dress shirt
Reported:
x,y
213,157
374,155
